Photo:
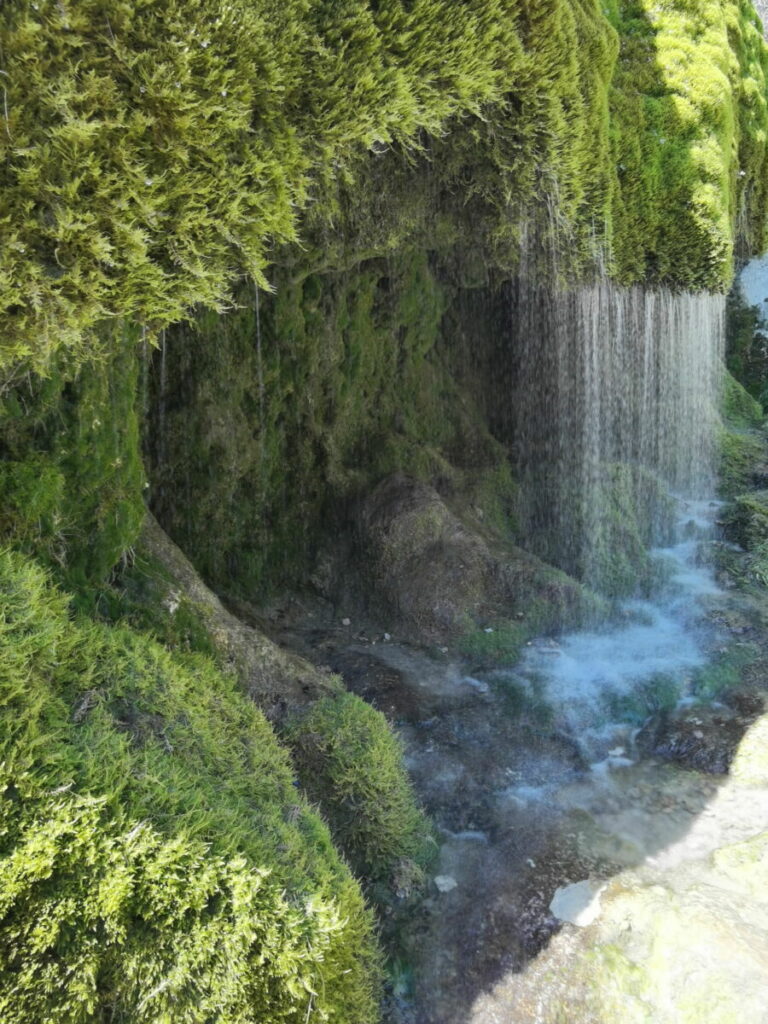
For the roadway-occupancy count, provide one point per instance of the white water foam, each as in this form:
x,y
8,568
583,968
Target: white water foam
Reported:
x,y
595,674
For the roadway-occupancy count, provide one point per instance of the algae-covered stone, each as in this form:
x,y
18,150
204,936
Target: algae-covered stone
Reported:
x,y
750,766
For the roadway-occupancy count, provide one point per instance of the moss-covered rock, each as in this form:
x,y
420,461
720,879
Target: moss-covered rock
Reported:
x,y
151,160
742,458
443,577
740,409
747,519
156,860
350,763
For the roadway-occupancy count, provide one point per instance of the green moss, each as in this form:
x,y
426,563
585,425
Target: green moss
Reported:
x,y
151,160
689,114
156,860
746,359
724,672
70,462
139,594
740,409
741,455
659,693
500,644
747,519
632,510
347,385
351,764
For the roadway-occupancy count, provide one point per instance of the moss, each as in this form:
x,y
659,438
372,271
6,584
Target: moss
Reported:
x,y
153,845
151,161
659,693
691,168
724,672
746,519
746,522
141,595
746,358
351,764
302,406
741,455
740,409
500,644
70,462
632,510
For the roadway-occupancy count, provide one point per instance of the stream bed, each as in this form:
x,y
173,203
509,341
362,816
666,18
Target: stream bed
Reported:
x,y
578,765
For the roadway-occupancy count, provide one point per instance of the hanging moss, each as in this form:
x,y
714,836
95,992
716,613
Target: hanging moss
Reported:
x,y
150,158
267,425
70,464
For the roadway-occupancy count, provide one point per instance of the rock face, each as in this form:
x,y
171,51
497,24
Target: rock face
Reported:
x,y
440,575
276,679
578,903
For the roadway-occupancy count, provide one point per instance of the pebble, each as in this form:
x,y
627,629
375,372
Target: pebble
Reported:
x,y
578,904
445,883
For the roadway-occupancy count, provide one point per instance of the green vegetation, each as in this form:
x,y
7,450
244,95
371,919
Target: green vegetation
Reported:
x,y
500,644
747,519
689,114
724,672
156,861
746,523
740,409
350,763
747,358
151,159
741,454
659,693
71,477
300,195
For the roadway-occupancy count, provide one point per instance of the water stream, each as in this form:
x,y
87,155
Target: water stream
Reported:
x,y
532,772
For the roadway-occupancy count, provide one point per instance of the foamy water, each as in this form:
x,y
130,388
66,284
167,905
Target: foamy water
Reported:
x,y
588,677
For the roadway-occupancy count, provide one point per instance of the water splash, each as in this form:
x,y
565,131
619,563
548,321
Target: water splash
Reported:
x,y
602,684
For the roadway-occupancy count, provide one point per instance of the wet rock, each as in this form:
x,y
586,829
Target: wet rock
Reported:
x,y
578,903
438,574
702,737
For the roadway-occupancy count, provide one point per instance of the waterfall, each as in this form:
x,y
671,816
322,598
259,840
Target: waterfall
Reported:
x,y
614,406
260,383
161,402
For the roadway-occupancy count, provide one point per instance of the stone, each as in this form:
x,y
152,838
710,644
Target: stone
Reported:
x,y
702,737
445,883
578,903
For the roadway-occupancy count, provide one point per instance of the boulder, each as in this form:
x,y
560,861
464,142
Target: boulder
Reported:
x,y
441,572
